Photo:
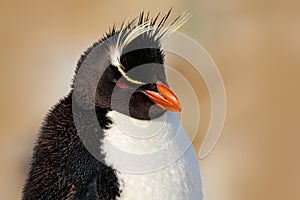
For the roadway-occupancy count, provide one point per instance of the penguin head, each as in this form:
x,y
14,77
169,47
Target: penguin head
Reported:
x,y
133,80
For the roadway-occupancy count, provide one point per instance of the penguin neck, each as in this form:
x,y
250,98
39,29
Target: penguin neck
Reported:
x,y
141,130
141,145
125,121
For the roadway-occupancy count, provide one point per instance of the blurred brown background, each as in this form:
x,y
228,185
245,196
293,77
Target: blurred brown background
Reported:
x,y
255,44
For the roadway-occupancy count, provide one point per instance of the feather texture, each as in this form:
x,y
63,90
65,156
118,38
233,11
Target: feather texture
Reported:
x,y
145,27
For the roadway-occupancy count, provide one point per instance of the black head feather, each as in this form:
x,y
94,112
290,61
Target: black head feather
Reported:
x,y
143,53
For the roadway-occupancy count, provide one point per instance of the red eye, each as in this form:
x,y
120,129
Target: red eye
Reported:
x,y
122,85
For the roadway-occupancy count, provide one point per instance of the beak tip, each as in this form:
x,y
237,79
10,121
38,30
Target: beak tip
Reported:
x,y
164,98
177,109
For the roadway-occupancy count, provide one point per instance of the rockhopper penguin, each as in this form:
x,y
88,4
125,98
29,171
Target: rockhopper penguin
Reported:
x,y
117,135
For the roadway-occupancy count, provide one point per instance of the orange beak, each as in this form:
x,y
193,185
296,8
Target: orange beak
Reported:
x,y
164,98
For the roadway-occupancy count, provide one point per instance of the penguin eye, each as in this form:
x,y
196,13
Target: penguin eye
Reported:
x,y
122,85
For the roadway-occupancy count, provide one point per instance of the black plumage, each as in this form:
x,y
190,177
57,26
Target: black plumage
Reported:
x,y
62,167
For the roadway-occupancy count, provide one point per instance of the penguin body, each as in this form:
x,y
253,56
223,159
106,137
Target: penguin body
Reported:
x,y
129,147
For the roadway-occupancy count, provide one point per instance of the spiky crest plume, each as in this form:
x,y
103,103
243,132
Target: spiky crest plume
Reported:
x,y
145,26
130,31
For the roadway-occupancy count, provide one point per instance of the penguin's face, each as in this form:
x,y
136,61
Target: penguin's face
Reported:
x,y
133,79
141,91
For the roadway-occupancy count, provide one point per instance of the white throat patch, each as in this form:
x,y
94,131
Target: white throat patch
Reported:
x,y
163,166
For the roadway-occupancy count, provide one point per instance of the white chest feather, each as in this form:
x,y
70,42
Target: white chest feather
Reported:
x,y
154,159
